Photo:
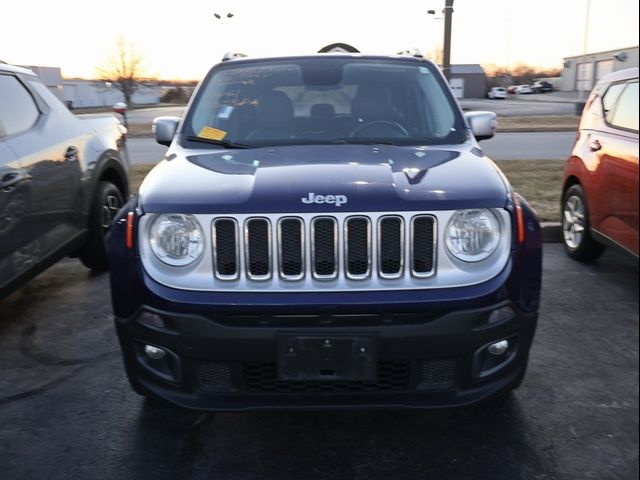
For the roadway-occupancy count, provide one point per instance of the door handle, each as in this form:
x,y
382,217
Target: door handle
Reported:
x,y
594,145
11,179
71,153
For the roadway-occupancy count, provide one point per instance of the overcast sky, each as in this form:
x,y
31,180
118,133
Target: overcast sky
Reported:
x,y
181,39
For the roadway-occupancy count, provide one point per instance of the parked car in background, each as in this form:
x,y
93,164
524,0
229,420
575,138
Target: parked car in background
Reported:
x,y
62,180
600,190
541,86
512,88
497,93
325,232
523,89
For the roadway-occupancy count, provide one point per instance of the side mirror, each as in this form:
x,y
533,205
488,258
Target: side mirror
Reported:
x,y
165,129
120,108
483,124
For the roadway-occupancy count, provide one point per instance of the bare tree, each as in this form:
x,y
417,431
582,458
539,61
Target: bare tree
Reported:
x,y
123,69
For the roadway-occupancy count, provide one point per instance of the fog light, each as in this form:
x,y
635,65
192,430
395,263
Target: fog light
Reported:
x,y
499,348
154,353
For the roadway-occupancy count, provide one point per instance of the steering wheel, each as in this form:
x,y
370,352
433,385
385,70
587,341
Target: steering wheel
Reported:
x,y
392,126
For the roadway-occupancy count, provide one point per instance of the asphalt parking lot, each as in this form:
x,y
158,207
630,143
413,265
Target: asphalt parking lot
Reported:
x,y
67,412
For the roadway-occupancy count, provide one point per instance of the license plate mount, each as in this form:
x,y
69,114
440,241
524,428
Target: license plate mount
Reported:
x,y
327,358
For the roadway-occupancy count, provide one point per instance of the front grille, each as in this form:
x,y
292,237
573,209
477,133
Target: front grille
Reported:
x,y
325,248
437,374
392,376
214,377
263,378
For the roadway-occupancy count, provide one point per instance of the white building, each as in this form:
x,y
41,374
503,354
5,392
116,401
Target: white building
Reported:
x,y
92,93
581,72
51,77
97,93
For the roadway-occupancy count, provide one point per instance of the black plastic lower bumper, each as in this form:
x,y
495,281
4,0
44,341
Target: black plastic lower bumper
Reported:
x,y
418,360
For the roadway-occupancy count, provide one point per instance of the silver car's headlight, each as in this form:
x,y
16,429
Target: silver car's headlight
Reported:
x,y
176,239
472,235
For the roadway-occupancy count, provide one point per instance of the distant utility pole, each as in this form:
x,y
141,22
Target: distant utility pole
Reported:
x,y
446,54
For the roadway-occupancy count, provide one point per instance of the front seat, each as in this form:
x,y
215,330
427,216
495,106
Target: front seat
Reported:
x,y
274,116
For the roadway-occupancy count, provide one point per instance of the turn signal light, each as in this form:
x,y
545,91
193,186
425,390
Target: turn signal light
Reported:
x,y
519,221
129,231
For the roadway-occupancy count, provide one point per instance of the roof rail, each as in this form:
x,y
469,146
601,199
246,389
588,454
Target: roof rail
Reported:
x,y
232,56
414,52
338,48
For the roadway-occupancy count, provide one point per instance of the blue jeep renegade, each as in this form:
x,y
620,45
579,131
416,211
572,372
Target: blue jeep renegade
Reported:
x,y
325,232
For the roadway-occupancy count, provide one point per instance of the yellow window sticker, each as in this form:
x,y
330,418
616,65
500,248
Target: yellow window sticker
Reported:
x,y
212,133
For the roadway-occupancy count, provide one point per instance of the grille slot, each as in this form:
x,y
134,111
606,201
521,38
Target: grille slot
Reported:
x,y
225,249
291,245
390,247
422,245
258,248
393,376
358,247
324,248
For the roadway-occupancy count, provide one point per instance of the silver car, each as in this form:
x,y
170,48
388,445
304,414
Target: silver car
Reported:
x,y
62,180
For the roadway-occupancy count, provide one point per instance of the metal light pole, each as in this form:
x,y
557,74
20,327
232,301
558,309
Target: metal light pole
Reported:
x,y
438,52
446,54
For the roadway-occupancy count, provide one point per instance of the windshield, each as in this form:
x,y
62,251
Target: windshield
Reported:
x,y
324,100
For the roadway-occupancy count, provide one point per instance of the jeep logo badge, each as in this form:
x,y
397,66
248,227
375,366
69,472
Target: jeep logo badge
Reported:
x,y
336,200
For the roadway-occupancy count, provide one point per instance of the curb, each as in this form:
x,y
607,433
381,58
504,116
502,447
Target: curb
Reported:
x,y
551,232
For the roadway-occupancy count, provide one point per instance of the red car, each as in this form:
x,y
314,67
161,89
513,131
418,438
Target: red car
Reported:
x,y
600,186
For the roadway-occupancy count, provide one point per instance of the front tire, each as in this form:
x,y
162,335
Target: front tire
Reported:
x,y
576,232
107,201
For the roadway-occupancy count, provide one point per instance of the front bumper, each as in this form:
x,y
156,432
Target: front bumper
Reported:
x,y
440,361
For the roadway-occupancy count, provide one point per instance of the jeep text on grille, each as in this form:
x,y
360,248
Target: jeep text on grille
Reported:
x,y
336,200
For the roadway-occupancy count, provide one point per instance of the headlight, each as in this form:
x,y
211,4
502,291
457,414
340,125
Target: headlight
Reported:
x,y
472,235
176,239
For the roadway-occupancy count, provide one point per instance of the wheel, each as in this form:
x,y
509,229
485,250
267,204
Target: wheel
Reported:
x,y
107,201
576,233
393,127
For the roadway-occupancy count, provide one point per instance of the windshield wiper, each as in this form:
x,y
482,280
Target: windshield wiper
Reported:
x,y
222,143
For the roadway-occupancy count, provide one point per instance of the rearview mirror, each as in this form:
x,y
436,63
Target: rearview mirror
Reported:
x,y
165,129
483,124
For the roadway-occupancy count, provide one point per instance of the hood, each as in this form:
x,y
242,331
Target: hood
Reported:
x,y
323,178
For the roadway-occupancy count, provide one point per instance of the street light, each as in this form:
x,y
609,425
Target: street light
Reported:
x,y
220,17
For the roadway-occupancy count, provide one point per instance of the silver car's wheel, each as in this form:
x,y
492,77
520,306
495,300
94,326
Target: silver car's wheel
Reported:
x,y
108,200
573,221
576,233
